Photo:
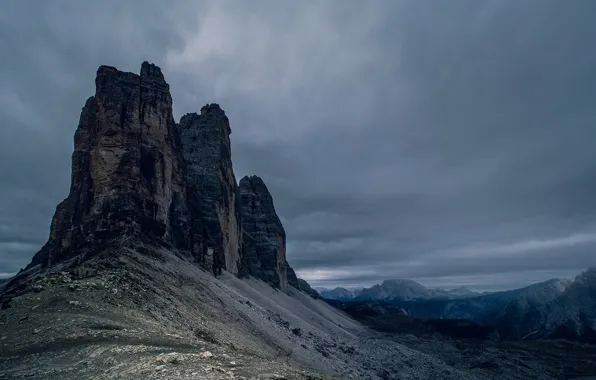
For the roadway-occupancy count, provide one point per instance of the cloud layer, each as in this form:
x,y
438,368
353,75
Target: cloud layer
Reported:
x,y
449,142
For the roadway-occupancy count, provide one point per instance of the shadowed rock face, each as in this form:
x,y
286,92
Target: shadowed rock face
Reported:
x,y
126,168
137,174
292,278
305,287
212,188
264,237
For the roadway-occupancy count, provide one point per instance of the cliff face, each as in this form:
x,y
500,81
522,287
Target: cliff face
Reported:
x,y
134,174
125,168
138,175
264,237
292,278
212,188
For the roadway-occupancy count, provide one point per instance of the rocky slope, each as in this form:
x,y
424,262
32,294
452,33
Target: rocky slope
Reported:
x,y
139,312
571,315
522,315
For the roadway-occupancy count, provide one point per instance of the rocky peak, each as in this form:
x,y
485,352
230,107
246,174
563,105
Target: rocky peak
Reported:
x,y
150,71
264,237
291,275
139,177
212,188
125,167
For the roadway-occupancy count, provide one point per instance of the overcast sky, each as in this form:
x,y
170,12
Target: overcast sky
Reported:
x,y
451,142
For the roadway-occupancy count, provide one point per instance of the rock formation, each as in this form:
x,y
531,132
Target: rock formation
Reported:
x,y
137,175
264,237
213,192
305,287
134,174
292,278
126,170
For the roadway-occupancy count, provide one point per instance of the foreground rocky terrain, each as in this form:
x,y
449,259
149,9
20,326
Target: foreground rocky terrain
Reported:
x,y
159,266
134,312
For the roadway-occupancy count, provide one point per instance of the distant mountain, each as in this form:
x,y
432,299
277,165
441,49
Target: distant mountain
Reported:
x,y
527,311
340,294
401,289
571,315
396,289
484,309
551,309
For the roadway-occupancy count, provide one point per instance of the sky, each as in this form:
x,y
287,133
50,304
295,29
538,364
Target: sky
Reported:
x,y
450,142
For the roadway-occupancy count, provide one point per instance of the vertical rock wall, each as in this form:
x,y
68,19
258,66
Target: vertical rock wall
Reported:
x,y
212,187
126,168
264,237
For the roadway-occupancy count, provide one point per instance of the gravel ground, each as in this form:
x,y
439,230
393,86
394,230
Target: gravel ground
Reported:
x,y
127,315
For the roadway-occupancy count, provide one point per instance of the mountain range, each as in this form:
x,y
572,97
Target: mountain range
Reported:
x,y
160,265
553,308
395,289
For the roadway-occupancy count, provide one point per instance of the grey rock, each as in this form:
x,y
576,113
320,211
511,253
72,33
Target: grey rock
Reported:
x,y
125,168
291,275
305,287
263,235
212,189
527,311
136,176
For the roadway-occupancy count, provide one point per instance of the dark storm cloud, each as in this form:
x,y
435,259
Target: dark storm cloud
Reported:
x,y
449,142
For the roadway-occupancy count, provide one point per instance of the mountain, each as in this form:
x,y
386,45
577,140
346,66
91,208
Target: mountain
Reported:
x,y
339,293
482,309
396,289
263,235
140,177
459,292
551,309
571,315
522,314
159,265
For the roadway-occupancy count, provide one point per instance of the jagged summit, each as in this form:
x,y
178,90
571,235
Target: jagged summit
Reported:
x,y
264,237
212,188
137,174
125,168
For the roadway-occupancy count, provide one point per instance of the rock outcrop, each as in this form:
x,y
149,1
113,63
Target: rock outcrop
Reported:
x,y
263,235
305,287
291,275
213,192
139,177
126,169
